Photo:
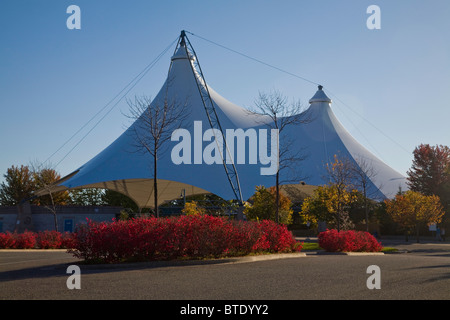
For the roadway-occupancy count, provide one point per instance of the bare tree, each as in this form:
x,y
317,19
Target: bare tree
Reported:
x,y
44,179
363,173
341,176
279,114
153,127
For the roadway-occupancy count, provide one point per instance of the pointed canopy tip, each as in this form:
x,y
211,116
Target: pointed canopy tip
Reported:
x,y
182,38
320,96
182,52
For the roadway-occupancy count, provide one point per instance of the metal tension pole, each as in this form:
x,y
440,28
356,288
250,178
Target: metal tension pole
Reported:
x,y
213,118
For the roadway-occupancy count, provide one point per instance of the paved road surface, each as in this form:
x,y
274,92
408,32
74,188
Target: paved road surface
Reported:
x,y
422,273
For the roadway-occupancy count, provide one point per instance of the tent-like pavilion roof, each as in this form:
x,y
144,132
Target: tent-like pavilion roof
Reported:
x,y
120,168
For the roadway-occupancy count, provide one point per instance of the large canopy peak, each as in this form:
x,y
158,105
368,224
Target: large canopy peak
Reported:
x,y
182,52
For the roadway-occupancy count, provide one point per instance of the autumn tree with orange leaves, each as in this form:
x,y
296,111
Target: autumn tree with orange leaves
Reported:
x,y
413,210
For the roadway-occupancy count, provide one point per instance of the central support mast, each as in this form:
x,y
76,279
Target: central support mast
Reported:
x,y
211,113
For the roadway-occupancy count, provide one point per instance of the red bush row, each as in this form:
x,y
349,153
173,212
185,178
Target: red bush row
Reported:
x,y
35,240
195,236
348,241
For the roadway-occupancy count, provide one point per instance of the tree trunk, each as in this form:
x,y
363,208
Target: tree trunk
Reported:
x,y
339,220
55,218
277,198
56,221
366,209
339,216
155,185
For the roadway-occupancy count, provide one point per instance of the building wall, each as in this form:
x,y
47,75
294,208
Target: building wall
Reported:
x,y
68,217
8,221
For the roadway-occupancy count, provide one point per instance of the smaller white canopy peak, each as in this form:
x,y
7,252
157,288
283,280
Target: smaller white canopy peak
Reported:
x,y
320,96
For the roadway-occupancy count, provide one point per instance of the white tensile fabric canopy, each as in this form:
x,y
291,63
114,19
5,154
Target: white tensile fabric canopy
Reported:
x,y
119,167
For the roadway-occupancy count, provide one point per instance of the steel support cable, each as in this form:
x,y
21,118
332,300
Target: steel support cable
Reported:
x,y
303,78
130,86
254,59
360,132
359,115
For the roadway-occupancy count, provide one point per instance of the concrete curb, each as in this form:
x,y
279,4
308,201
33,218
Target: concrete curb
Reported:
x,y
265,257
351,253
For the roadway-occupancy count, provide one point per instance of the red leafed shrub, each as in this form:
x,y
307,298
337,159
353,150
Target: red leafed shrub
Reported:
x,y
245,237
275,238
194,236
7,240
49,240
348,241
67,240
25,240
39,240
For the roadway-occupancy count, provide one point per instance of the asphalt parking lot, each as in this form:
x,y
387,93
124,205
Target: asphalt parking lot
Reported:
x,y
420,272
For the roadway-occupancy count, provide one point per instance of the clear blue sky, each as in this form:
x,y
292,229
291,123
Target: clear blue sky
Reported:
x,y
53,80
